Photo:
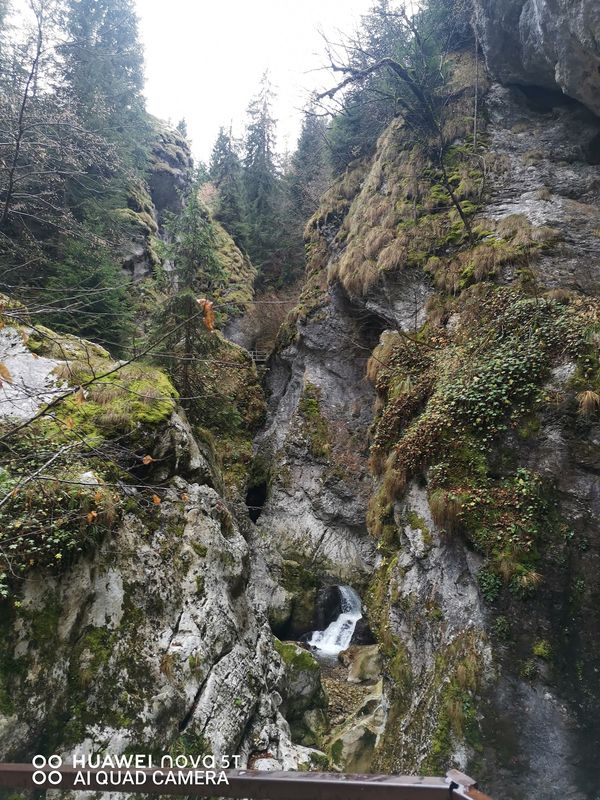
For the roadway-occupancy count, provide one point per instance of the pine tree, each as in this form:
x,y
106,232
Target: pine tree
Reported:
x,y
89,293
196,273
262,184
104,65
305,179
226,174
182,127
309,174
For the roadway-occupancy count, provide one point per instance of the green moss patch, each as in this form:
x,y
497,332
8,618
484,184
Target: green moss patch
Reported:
x,y
314,424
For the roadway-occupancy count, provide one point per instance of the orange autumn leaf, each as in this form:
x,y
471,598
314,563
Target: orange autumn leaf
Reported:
x,y
69,423
5,373
92,516
209,316
156,499
147,460
185,497
98,496
208,313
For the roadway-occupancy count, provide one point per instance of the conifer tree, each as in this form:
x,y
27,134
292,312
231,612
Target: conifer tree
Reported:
x,y
261,183
309,174
104,64
226,174
196,273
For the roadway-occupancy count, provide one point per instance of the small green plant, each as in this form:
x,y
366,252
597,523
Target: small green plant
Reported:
x,y
490,584
195,663
530,670
542,649
501,628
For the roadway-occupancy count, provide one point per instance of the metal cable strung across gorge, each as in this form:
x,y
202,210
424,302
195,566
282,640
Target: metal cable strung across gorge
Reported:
x,y
252,784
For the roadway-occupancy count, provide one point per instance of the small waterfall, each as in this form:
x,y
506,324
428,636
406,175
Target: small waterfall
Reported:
x,y
338,634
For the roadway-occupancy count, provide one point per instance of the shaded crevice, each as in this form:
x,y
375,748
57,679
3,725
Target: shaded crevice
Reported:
x,y
256,497
194,704
592,151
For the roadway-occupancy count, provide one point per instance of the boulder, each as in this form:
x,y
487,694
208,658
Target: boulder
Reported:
x,y
363,633
304,698
363,662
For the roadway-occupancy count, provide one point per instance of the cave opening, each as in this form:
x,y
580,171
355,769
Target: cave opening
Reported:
x,y
256,497
543,100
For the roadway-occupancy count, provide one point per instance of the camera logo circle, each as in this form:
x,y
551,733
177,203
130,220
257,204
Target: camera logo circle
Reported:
x,y
41,775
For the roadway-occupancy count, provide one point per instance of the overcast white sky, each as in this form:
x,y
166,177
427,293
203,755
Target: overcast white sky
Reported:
x,y
204,58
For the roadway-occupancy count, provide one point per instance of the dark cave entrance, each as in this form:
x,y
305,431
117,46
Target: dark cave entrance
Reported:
x,y
256,497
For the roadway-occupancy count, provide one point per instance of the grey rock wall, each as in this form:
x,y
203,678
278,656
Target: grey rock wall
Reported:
x,y
549,43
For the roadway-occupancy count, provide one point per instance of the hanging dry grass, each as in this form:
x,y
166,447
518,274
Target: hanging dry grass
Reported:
x,y
376,211
393,256
381,355
528,581
437,312
445,510
394,483
560,295
589,402
375,241
106,393
73,372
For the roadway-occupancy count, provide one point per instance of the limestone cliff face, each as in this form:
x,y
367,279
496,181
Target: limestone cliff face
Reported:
x,y
548,43
476,466
138,619
161,192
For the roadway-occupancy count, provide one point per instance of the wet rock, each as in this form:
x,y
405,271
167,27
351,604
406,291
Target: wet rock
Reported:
x,y
545,179
318,498
550,43
305,701
177,452
362,633
170,169
159,609
328,606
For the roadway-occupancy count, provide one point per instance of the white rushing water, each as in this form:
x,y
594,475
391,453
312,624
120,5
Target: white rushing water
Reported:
x,y
337,635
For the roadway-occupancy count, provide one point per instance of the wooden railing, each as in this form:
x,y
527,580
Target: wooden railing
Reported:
x,y
246,784
259,356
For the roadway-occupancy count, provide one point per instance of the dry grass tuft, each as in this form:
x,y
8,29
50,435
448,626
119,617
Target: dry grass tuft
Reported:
x,y
382,353
394,483
73,372
375,241
528,581
106,393
116,420
589,402
393,256
560,295
445,510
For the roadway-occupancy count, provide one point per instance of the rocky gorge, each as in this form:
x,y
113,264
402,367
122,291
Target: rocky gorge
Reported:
x,y
425,433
